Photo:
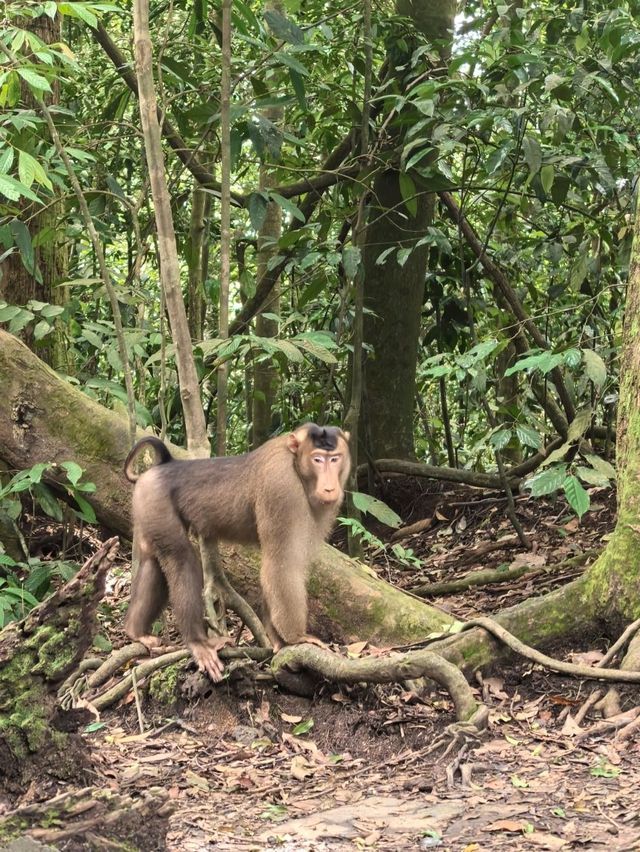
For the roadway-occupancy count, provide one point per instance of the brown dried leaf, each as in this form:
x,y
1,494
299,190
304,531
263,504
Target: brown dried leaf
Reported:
x,y
301,768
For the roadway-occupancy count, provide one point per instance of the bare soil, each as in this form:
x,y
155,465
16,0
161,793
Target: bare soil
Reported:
x,y
246,767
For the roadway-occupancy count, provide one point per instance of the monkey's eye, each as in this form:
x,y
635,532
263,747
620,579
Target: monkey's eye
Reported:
x,y
335,459
318,459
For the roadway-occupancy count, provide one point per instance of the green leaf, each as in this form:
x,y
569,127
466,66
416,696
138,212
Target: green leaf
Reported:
x,y
527,436
74,471
557,455
601,465
290,62
579,424
94,726
543,361
315,349
576,496
592,477
26,168
408,193
303,727
85,509
283,28
547,481
257,209
41,329
289,350
14,190
532,154
351,261
297,82
48,503
6,160
572,357
500,439
594,367
288,206
23,240
372,506
34,80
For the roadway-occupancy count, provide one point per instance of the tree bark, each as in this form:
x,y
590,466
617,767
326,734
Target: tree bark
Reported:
x,y
36,653
394,293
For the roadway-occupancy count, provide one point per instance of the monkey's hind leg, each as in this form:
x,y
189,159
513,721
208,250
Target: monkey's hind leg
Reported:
x,y
149,595
184,576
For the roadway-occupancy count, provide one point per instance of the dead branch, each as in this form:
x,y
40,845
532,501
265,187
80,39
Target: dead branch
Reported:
x,y
290,661
497,575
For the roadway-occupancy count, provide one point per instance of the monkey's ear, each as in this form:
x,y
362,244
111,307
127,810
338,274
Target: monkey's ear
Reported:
x,y
293,444
347,435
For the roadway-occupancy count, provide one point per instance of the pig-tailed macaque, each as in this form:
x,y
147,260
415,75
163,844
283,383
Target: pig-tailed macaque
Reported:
x,y
283,496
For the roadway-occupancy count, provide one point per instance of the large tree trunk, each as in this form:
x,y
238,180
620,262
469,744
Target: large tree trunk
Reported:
x,y
43,418
394,293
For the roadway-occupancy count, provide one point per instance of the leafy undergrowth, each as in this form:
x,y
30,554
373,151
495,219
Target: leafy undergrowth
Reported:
x,y
247,767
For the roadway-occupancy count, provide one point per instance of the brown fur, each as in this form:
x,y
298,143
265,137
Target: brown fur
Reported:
x,y
283,496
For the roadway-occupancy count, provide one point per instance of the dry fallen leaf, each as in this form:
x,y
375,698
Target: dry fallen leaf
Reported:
x,y
301,768
507,825
292,720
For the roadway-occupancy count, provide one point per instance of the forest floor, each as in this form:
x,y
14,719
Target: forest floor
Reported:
x,y
247,767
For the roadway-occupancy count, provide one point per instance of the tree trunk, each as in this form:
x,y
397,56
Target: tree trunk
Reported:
x,y
394,293
36,653
43,418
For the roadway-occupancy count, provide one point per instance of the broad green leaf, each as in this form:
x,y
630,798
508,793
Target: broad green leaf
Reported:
x,y
288,349
579,424
557,454
85,509
572,357
543,361
303,727
6,160
532,154
283,28
13,189
527,436
500,439
601,465
297,81
316,350
23,240
290,62
547,174
546,482
257,209
288,206
592,477
351,261
41,329
47,501
34,80
594,367
408,193
74,471
576,496
403,256
26,168
373,506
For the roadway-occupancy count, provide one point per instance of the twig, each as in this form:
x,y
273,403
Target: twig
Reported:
x,y
620,643
136,693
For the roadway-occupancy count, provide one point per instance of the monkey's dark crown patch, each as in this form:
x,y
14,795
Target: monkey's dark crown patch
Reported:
x,y
324,438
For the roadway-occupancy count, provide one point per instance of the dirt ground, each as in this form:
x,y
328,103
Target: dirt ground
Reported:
x,y
245,767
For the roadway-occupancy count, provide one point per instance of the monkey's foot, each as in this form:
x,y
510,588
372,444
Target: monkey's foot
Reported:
x,y
150,642
205,653
313,640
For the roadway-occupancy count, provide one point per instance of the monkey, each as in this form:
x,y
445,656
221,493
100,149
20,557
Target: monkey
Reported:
x,y
283,496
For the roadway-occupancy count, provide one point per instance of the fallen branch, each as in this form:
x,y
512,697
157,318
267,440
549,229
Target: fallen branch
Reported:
x,y
290,661
489,576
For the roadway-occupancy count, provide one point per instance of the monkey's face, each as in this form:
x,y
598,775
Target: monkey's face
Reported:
x,y
322,461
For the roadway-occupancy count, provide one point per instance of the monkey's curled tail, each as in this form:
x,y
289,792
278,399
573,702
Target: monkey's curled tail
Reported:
x,y
161,453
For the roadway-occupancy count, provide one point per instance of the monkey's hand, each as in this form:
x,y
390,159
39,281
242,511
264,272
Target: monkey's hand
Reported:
x,y
205,653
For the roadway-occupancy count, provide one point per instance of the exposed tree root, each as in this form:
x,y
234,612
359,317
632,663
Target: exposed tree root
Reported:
x,y
288,664
84,811
590,672
84,688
